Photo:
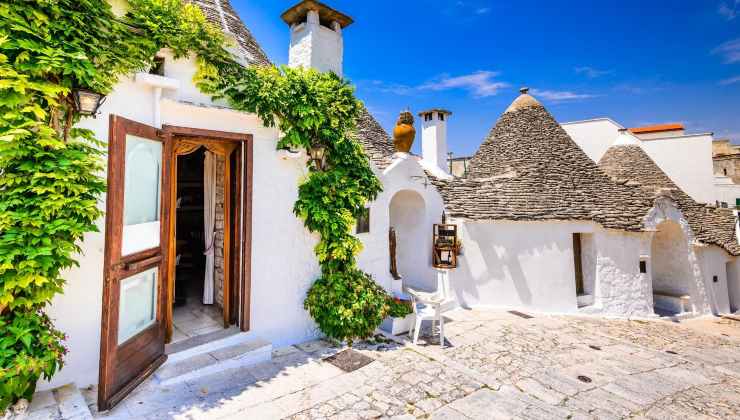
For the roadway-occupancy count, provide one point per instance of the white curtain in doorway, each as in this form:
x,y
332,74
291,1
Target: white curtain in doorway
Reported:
x,y
209,214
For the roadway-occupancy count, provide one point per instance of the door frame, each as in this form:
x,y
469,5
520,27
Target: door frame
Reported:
x,y
237,252
117,267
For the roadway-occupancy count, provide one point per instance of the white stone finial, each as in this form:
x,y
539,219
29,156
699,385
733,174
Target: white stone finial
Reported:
x,y
625,138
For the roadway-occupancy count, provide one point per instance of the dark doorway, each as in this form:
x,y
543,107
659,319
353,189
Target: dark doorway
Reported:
x,y
191,316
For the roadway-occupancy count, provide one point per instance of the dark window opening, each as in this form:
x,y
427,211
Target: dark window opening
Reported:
x,y
715,279
725,170
643,267
363,222
158,66
441,116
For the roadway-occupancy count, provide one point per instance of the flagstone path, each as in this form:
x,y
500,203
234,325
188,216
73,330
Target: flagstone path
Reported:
x,y
496,365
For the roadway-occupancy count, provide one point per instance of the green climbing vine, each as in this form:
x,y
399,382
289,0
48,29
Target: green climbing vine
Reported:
x,y
51,171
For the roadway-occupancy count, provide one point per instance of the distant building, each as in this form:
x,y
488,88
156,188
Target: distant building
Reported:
x,y
726,157
458,165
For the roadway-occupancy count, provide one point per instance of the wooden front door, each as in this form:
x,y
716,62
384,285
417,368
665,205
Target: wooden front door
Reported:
x,y
134,291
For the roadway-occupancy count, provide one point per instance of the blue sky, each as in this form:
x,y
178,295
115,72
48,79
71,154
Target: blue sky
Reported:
x,y
638,62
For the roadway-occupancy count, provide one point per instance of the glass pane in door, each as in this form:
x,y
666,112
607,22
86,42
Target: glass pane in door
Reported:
x,y
138,304
142,195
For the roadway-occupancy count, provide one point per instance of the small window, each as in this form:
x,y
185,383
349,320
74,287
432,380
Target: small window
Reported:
x,y
158,66
715,279
725,172
441,116
363,222
724,205
643,267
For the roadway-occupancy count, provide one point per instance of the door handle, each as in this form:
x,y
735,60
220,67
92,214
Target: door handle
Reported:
x,y
137,265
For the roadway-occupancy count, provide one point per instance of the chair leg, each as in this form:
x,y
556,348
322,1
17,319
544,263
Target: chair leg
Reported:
x,y
417,328
411,329
441,331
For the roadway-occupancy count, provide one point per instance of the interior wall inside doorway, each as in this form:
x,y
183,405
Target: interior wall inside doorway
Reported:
x,y
191,317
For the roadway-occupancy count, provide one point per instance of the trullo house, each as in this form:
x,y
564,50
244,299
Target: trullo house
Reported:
x,y
226,263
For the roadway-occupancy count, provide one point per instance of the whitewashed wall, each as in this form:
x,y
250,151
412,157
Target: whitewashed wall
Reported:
x,y
687,160
714,262
594,137
278,236
733,284
406,177
517,265
620,287
726,191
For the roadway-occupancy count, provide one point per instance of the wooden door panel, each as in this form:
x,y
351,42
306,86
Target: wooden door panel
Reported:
x,y
137,172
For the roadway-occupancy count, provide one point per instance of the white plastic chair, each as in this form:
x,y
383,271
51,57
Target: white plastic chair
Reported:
x,y
431,306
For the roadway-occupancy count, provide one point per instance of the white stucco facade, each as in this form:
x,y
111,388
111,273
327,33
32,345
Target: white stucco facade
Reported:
x,y
278,236
727,193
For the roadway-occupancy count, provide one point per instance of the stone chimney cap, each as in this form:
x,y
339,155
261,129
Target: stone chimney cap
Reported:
x,y
298,13
524,90
433,110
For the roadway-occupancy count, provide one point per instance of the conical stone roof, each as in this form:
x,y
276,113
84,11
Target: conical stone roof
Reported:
x,y
529,169
221,14
630,164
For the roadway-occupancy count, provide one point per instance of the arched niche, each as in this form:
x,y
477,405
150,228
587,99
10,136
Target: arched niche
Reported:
x,y
407,217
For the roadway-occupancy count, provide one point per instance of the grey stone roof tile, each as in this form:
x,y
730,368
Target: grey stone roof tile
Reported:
x,y
630,164
529,169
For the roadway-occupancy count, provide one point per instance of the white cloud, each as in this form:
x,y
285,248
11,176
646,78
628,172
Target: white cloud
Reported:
x,y
394,88
730,50
730,81
729,9
560,96
481,83
482,10
591,72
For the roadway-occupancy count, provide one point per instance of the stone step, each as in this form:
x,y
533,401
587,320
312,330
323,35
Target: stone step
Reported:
x,y
213,358
63,403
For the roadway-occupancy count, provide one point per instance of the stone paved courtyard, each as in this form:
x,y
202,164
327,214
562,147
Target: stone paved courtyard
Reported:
x,y
496,365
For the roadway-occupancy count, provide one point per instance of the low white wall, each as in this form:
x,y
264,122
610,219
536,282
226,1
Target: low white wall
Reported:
x,y
671,269
726,191
713,263
517,264
620,287
733,284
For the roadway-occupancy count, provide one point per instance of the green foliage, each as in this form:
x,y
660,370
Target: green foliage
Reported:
x,y
30,348
317,108
347,305
398,308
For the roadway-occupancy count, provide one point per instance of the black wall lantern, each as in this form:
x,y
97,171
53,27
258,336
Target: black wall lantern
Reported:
x,y
87,102
317,153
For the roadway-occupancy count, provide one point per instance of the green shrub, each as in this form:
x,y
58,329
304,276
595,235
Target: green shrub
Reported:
x,y
30,348
347,305
399,308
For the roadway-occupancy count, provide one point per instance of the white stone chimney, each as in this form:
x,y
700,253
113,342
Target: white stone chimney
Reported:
x,y
316,36
434,138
